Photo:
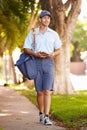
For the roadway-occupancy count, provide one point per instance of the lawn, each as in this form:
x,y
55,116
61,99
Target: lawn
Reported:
x,y
70,109
67,110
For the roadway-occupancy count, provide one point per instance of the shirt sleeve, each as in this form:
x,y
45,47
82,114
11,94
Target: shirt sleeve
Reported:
x,y
28,41
57,43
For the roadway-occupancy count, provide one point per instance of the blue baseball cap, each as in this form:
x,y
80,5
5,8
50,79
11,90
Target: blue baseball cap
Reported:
x,y
45,12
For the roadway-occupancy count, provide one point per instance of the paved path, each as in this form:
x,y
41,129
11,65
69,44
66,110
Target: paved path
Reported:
x,y
18,113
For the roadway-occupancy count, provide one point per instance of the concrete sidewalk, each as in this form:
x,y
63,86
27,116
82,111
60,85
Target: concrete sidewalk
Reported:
x,y
18,113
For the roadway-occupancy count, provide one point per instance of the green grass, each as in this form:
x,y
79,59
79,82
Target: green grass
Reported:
x,y
71,110
1,129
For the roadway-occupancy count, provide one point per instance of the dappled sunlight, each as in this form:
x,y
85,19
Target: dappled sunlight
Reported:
x,y
9,112
24,112
21,88
5,114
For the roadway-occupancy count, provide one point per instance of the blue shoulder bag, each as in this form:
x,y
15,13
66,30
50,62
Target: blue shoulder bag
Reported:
x,y
27,64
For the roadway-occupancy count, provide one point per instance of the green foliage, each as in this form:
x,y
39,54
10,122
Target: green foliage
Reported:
x,y
17,8
14,18
71,50
12,34
80,35
79,40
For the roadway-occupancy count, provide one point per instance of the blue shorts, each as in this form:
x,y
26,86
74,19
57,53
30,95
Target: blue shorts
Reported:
x,y
45,76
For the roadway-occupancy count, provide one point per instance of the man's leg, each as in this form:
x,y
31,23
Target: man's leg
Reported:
x,y
47,101
40,101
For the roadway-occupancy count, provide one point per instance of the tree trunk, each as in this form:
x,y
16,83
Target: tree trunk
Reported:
x,y
62,81
64,23
13,70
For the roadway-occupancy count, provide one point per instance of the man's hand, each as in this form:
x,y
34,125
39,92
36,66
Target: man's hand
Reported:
x,y
38,55
50,55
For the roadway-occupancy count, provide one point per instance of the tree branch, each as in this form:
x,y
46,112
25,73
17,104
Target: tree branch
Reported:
x,y
67,4
75,10
73,15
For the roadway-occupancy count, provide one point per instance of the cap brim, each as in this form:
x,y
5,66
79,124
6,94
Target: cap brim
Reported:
x,y
45,15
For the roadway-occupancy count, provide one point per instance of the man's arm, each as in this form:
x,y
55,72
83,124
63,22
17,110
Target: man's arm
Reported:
x,y
29,51
55,53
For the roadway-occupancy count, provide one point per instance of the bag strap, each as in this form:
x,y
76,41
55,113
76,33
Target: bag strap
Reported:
x,y
34,35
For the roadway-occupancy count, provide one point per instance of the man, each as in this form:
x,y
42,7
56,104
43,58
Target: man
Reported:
x,y
48,46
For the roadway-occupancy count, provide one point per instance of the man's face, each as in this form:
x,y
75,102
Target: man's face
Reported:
x,y
45,20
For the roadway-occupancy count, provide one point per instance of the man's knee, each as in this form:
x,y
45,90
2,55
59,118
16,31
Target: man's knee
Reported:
x,y
47,92
40,93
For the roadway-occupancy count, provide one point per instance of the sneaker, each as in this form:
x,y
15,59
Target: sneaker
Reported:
x,y
41,118
47,121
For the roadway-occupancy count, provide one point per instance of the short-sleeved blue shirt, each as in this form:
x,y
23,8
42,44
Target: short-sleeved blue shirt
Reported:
x,y
47,42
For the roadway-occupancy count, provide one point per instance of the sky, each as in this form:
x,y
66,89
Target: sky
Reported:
x,y
83,14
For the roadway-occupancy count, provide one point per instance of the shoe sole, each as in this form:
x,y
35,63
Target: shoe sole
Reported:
x,y
47,124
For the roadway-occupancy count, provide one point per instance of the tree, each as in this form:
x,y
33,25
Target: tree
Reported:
x,y
14,18
79,40
64,17
14,21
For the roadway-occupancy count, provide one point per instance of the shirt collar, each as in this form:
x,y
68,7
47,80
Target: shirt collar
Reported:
x,y
37,30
